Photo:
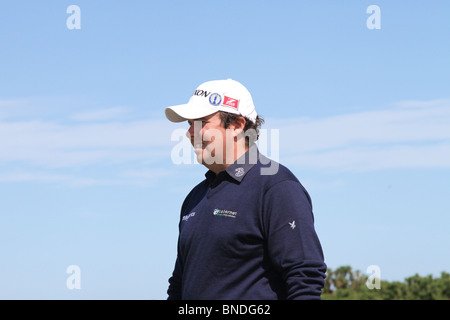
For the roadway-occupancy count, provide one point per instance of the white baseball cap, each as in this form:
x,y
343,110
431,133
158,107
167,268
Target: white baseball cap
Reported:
x,y
212,96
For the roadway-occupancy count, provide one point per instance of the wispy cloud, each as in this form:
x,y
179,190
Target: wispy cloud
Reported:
x,y
123,149
144,178
101,114
49,143
422,103
415,134
110,140
32,176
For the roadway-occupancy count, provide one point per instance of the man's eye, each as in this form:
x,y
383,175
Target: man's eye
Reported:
x,y
202,122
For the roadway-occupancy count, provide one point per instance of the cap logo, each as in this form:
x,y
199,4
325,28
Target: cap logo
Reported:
x,y
201,93
230,102
215,99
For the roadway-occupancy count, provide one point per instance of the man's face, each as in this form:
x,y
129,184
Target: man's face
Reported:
x,y
208,137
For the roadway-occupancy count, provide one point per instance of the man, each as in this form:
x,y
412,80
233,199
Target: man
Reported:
x,y
247,230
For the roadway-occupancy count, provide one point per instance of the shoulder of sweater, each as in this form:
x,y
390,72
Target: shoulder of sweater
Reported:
x,y
272,172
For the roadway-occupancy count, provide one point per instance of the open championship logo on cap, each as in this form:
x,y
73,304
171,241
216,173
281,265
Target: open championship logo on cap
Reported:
x,y
215,99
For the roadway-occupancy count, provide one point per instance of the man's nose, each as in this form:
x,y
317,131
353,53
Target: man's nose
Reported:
x,y
190,132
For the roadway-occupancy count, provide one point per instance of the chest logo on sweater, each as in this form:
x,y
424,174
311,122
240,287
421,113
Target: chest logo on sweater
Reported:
x,y
225,213
190,215
239,172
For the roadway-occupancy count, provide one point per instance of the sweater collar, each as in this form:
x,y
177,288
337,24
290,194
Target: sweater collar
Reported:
x,y
238,169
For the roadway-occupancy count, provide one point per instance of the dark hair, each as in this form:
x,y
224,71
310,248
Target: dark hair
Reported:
x,y
251,129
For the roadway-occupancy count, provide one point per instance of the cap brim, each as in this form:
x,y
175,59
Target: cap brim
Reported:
x,y
185,112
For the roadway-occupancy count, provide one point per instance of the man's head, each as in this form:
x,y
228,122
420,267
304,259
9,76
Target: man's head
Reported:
x,y
212,96
223,122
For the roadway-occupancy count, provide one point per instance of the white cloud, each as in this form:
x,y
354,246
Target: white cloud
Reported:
x,y
68,148
142,177
54,144
410,134
32,176
375,158
14,107
101,114
49,177
392,138
422,104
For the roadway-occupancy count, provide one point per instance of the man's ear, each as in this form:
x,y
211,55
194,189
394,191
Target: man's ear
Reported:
x,y
237,126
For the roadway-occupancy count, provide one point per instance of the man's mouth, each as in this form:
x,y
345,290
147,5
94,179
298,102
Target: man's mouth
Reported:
x,y
200,145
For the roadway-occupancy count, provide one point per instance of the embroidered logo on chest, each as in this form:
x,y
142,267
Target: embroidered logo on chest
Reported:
x,y
225,213
190,215
239,172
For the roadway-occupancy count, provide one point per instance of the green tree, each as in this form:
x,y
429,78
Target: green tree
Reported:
x,y
344,283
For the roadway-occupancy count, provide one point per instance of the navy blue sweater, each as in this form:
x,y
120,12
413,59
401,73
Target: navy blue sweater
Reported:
x,y
246,234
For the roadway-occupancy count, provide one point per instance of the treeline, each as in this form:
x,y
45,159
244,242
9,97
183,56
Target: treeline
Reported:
x,y
345,284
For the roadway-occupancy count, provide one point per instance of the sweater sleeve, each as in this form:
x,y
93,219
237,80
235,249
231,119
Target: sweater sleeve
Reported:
x,y
174,291
293,245
175,281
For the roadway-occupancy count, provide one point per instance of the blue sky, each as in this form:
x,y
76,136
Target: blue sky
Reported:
x,y
86,173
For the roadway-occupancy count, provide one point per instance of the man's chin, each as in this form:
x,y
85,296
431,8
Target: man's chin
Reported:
x,y
205,158
200,157
206,161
